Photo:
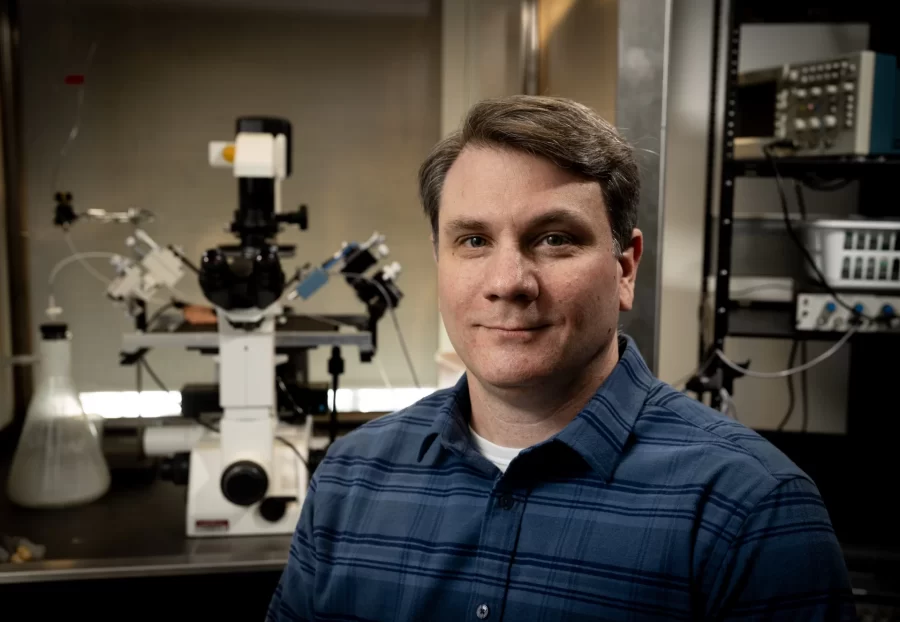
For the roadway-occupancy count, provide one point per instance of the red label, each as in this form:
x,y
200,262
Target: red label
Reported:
x,y
211,525
74,79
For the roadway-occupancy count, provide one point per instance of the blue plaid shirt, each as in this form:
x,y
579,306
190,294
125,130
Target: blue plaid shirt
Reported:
x,y
647,506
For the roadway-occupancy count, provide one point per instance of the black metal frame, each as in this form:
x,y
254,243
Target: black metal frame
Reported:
x,y
722,173
12,193
849,469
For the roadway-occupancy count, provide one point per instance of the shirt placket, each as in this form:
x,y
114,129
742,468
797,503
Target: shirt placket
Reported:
x,y
496,550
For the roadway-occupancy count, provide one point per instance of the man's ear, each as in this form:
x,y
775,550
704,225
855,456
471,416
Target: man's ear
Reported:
x,y
433,247
628,261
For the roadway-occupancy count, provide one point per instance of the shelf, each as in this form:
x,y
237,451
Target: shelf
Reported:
x,y
772,222
772,321
835,166
775,320
821,12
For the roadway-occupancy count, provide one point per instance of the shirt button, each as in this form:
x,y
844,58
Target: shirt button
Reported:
x,y
506,501
482,611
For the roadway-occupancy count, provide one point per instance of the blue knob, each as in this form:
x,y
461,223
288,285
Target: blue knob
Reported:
x,y
887,311
858,307
830,307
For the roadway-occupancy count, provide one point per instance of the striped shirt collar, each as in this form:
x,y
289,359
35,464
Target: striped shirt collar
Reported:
x,y
598,433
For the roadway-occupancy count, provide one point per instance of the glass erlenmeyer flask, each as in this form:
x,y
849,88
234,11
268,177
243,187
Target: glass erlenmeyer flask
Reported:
x,y
58,461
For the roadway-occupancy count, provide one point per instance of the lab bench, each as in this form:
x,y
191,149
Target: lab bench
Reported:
x,y
126,556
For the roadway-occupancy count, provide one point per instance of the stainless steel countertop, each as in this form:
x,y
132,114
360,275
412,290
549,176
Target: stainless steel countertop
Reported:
x,y
232,556
137,529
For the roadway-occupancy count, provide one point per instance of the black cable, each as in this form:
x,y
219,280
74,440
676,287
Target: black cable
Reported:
x,y
333,419
298,411
210,426
801,201
141,324
153,375
184,260
790,385
335,368
158,313
213,428
804,393
139,379
284,389
798,242
143,362
296,452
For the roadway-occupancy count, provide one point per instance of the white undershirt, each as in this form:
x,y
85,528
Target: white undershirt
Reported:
x,y
500,456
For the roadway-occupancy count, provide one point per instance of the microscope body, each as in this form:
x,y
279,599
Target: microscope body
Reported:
x,y
249,479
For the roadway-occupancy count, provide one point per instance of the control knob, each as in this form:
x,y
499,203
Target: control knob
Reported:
x,y
244,483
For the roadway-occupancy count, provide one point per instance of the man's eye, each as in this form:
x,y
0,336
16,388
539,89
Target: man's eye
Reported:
x,y
556,239
475,241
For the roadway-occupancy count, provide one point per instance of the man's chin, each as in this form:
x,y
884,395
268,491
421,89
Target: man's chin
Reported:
x,y
513,378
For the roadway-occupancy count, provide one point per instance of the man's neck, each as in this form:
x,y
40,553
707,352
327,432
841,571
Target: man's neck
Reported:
x,y
524,416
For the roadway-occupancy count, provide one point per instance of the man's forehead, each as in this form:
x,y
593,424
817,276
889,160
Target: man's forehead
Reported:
x,y
491,183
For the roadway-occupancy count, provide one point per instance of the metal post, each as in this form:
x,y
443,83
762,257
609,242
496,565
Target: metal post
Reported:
x,y
726,192
13,195
643,59
711,174
530,48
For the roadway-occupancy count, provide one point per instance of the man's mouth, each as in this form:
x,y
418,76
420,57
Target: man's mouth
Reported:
x,y
517,329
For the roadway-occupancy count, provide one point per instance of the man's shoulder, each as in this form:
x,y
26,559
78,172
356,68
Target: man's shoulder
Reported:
x,y
397,435
721,444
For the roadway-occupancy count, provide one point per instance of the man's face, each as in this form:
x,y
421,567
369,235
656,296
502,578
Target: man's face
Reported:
x,y
530,286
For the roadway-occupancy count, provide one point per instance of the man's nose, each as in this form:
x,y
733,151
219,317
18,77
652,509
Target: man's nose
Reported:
x,y
511,276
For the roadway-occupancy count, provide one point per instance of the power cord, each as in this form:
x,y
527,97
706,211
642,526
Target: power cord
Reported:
x,y
393,313
767,150
296,451
297,410
795,370
790,386
729,408
804,393
335,369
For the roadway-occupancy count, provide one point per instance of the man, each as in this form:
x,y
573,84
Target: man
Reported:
x,y
558,480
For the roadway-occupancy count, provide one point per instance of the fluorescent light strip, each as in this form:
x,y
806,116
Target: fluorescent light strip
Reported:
x,y
121,404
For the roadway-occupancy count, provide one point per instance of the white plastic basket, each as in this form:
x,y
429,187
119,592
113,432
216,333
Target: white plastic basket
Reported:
x,y
856,254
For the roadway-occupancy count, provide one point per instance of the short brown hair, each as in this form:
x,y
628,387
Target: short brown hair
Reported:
x,y
565,132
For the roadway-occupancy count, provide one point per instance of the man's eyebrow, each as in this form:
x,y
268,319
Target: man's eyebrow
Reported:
x,y
464,225
559,216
